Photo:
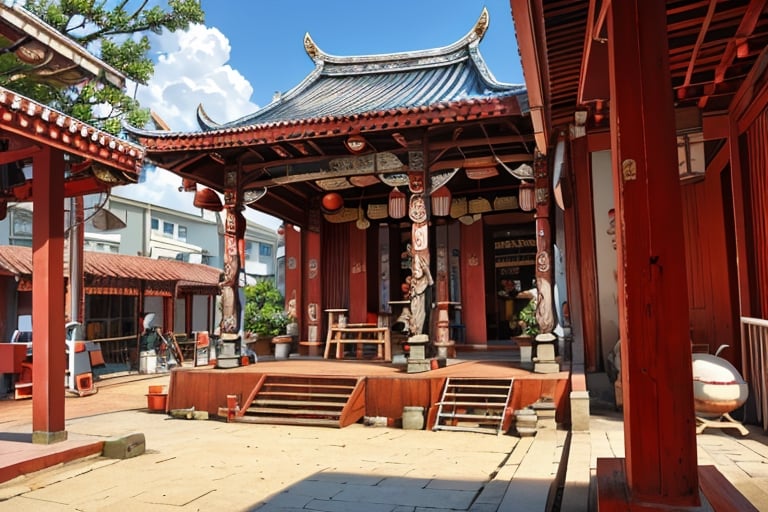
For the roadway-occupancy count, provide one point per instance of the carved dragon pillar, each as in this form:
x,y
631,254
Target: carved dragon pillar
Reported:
x,y
421,277
234,255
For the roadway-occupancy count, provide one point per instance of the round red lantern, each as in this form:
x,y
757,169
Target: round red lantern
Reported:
x,y
332,202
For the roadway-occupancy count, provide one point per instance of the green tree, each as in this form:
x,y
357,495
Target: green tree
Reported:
x,y
117,33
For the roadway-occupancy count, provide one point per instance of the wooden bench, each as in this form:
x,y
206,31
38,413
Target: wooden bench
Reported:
x,y
359,335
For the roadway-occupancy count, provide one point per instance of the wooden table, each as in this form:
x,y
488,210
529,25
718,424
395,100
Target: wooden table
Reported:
x,y
359,334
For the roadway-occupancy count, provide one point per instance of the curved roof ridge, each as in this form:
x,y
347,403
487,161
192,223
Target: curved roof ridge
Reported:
x,y
347,86
277,101
471,38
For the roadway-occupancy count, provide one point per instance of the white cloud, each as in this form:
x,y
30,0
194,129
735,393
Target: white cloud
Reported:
x,y
191,69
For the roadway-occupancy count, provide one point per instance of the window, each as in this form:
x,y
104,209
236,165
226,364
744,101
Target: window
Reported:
x,y
22,223
168,228
155,224
183,233
265,250
248,249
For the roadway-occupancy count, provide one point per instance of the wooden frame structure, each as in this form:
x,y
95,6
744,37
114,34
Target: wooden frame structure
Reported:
x,y
602,72
68,158
328,167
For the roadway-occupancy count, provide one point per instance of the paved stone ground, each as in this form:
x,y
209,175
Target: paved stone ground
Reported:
x,y
214,465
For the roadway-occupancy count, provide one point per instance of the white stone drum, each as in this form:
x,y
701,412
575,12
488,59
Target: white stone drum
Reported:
x,y
718,388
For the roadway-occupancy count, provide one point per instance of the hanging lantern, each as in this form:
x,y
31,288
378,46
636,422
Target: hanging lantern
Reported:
x,y
332,202
207,199
441,202
527,197
397,207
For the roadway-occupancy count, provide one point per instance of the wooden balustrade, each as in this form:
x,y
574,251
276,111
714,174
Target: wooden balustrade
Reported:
x,y
754,363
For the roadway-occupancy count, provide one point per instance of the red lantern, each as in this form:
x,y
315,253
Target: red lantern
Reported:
x,y
441,202
527,197
397,207
207,199
332,202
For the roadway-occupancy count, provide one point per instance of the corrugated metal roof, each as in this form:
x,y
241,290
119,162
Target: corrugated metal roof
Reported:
x,y
17,260
348,86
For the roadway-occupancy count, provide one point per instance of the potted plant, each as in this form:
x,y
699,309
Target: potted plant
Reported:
x,y
527,319
264,314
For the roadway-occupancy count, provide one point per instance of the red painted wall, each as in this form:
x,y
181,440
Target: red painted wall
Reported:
x,y
473,283
358,291
312,305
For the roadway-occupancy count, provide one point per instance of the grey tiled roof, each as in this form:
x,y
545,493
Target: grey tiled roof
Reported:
x,y
347,86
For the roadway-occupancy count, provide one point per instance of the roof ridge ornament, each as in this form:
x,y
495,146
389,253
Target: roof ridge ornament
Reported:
x,y
204,120
310,47
481,26
471,39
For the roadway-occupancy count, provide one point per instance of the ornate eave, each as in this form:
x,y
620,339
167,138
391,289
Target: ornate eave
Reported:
x,y
269,133
55,57
102,160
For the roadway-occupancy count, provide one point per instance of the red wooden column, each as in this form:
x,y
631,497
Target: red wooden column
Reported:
x,y
472,277
544,263
293,277
313,292
581,268
659,422
49,358
358,282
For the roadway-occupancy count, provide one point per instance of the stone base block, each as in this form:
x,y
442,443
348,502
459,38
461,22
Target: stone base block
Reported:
x,y
418,365
124,447
546,367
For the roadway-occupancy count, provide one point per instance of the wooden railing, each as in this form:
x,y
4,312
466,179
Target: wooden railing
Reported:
x,y
754,363
119,351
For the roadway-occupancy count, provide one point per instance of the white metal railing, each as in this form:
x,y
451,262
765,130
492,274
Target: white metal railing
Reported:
x,y
754,362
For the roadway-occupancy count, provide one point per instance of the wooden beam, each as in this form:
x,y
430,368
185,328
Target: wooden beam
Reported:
x,y
528,18
745,30
14,155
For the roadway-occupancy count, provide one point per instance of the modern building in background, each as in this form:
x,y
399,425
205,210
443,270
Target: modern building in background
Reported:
x,y
121,226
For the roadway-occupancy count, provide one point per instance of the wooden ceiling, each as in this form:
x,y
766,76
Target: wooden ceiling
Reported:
x,y
715,46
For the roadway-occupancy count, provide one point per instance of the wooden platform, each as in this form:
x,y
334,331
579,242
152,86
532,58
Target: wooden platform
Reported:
x,y
388,388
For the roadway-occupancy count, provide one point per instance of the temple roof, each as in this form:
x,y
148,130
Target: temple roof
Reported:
x,y
371,114
346,86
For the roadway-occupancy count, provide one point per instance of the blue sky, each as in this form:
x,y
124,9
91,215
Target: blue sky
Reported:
x,y
249,49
